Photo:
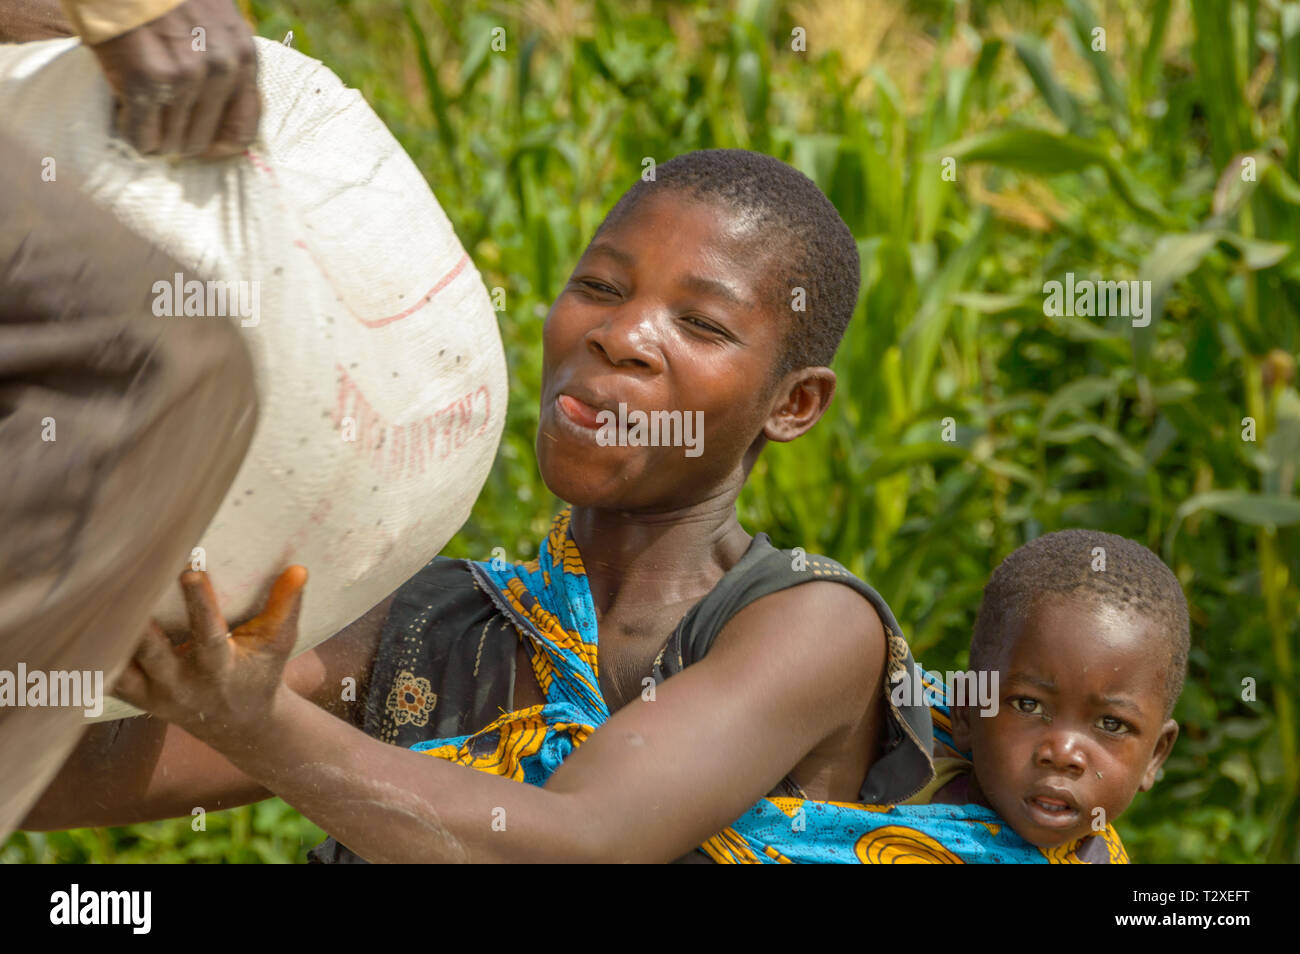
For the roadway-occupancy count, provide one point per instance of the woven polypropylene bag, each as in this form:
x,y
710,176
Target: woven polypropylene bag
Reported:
x,y
381,376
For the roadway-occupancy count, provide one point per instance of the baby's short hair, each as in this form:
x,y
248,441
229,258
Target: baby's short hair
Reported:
x,y
820,254
1062,563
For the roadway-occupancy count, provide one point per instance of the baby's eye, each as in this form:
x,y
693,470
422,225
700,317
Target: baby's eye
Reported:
x,y
1111,724
1026,705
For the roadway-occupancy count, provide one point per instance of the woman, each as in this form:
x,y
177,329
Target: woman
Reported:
x,y
719,291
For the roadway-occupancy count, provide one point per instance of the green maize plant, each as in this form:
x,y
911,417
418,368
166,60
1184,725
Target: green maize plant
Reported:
x,y
978,152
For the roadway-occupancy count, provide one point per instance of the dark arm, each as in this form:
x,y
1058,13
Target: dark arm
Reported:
x,y
23,20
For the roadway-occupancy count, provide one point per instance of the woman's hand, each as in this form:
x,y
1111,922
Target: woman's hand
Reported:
x,y
219,684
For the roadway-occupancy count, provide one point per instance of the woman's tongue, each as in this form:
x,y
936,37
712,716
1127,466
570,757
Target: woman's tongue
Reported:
x,y
578,411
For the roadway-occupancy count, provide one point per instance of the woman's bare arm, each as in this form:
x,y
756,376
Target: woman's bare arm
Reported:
x,y
657,779
144,769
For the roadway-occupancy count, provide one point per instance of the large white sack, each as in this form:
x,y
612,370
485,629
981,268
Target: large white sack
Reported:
x,y
369,309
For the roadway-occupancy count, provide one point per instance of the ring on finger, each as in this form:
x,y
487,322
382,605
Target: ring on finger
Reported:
x,y
157,94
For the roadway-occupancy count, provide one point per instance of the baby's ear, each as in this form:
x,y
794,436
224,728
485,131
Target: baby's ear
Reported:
x,y
1164,745
961,716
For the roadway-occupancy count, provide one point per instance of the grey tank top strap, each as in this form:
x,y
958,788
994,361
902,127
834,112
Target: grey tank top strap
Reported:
x,y
906,762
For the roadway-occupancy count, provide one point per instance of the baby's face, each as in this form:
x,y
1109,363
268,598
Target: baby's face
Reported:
x,y
1080,723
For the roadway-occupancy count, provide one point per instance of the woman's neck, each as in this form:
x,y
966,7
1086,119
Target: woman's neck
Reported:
x,y
643,559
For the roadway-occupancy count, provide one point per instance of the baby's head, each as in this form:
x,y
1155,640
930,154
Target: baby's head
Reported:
x,y
1088,633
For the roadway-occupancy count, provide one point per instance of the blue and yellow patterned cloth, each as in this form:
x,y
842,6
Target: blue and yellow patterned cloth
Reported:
x,y
552,603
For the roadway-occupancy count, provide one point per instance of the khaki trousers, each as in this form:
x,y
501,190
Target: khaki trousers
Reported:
x,y
120,433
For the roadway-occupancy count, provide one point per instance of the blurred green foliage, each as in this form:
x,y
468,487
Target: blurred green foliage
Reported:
x,y
1166,151
269,832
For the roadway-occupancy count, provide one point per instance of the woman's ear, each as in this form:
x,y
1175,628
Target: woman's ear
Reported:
x,y
801,400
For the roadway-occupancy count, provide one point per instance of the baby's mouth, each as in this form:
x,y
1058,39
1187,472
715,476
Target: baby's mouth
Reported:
x,y
1052,809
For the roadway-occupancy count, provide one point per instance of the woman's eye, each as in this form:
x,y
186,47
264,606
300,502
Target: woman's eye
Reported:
x,y
702,325
1026,705
597,286
1111,724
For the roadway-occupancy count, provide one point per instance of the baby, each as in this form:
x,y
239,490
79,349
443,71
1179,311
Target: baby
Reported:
x,y
1087,633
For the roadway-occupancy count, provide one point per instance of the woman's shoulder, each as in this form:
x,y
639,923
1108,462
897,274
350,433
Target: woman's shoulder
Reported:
x,y
905,763
764,569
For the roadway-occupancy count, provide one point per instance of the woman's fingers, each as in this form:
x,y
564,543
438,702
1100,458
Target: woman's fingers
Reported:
x,y
208,627
207,624
131,687
277,625
155,655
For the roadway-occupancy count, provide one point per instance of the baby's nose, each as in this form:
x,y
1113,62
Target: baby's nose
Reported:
x,y
1061,749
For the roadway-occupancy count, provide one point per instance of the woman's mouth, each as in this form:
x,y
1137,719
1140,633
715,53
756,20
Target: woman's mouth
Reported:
x,y
579,412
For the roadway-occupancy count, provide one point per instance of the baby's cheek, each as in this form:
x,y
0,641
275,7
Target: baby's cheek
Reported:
x,y
993,772
994,753
999,759
1116,796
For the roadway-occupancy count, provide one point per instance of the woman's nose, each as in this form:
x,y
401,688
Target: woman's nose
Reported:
x,y
628,335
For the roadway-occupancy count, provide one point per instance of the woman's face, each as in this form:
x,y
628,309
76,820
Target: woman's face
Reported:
x,y
664,312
